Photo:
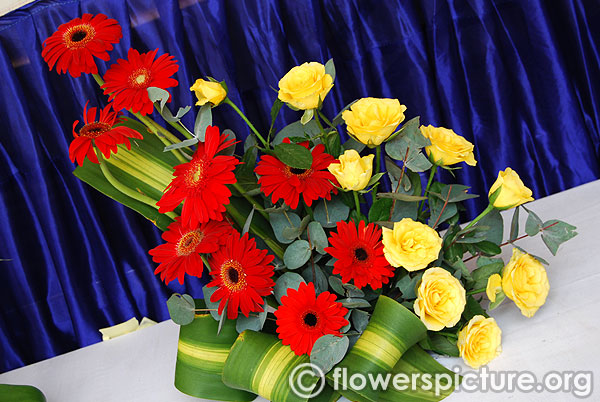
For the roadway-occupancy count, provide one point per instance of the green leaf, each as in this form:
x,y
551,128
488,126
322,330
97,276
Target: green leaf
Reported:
x,y
360,319
455,193
540,259
495,224
293,233
296,254
328,351
294,155
473,308
557,234
277,105
213,306
408,286
440,344
337,285
254,322
318,238
480,275
487,247
440,213
460,269
297,129
409,138
246,227
320,280
380,210
307,116
330,68
181,308
329,213
203,120
182,144
402,197
375,178
351,302
289,280
514,225
280,223
333,145
534,223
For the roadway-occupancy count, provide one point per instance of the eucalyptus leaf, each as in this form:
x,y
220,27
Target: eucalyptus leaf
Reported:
x,y
455,193
182,144
296,254
495,224
337,120
318,238
230,150
297,129
360,319
337,285
248,222
181,308
212,306
203,120
328,351
279,222
353,144
329,213
354,303
289,280
254,322
330,69
402,197
320,279
556,233
408,286
533,225
514,225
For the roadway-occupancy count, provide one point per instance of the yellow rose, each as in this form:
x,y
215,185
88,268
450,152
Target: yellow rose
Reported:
x,y
448,148
372,120
513,192
411,245
353,172
480,341
440,300
524,280
494,286
208,91
303,85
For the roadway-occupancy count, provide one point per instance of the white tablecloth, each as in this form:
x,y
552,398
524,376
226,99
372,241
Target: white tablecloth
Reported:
x,y
563,336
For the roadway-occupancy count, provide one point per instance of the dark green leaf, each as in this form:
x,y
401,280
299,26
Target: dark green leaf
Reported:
x,y
337,285
487,247
495,224
473,308
354,303
246,227
402,197
294,155
514,225
380,210
440,344
337,120
320,279
297,129
330,68
455,193
408,286
480,275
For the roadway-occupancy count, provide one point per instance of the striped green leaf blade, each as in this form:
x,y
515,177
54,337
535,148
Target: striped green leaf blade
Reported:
x,y
145,168
260,363
414,363
392,330
20,393
201,355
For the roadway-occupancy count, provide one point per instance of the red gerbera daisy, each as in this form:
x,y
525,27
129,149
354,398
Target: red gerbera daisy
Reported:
x,y
180,254
289,183
304,317
202,182
359,254
243,275
101,133
74,44
127,81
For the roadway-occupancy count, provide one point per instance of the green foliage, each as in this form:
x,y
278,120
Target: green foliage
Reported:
x,y
289,280
296,254
320,279
440,344
181,308
294,155
318,238
556,233
328,213
328,351
254,322
281,221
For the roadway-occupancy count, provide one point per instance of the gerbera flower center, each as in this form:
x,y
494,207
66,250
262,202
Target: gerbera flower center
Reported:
x,y
140,78
94,129
301,173
360,254
233,275
79,36
310,319
189,242
297,171
195,175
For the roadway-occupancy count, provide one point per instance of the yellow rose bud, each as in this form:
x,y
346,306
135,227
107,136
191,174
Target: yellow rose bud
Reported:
x,y
513,192
494,286
441,299
448,148
353,172
303,85
208,91
480,341
411,245
372,120
524,280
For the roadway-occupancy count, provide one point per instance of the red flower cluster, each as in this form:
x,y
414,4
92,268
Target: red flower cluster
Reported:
x,y
74,45
359,254
202,182
283,182
304,317
243,275
102,133
180,254
127,81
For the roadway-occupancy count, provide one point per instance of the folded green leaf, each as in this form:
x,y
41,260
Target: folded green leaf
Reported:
x,y
294,155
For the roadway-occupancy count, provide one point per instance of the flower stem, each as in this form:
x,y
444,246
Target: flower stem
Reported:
x,y
252,201
179,127
357,203
254,130
377,168
431,175
475,291
124,189
486,211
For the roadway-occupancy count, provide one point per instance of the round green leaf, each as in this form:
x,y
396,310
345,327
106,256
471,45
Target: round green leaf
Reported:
x,y
286,281
181,308
328,351
296,254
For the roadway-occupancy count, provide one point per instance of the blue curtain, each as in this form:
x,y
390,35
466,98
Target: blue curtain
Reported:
x,y
517,78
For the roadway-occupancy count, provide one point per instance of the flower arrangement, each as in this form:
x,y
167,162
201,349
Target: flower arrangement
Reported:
x,y
308,261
